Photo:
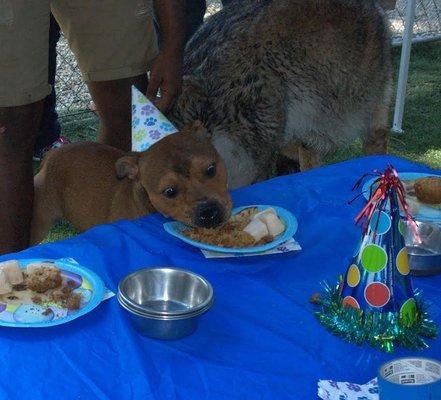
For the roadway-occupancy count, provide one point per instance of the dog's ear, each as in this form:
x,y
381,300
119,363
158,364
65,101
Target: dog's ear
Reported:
x,y
127,166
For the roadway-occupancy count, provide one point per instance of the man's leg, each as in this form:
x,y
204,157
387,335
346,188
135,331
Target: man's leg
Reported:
x,y
113,102
194,16
23,85
50,129
111,62
18,129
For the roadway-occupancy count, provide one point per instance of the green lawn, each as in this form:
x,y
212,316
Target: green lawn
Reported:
x,y
421,141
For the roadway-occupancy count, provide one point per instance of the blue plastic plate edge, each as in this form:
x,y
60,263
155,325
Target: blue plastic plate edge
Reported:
x,y
406,176
92,277
174,228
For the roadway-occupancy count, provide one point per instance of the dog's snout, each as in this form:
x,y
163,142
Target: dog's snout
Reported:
x,y
209,214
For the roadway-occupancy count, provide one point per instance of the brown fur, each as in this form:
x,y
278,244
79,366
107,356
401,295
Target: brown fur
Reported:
x,y
90,183
296,78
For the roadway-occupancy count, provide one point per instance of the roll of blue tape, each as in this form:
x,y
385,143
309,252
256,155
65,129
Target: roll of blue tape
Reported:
x,y
410,379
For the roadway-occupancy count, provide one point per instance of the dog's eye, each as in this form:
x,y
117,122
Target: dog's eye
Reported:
x,y
211,171
170,192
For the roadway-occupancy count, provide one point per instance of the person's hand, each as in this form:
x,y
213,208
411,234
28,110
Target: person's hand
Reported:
x,y
166,75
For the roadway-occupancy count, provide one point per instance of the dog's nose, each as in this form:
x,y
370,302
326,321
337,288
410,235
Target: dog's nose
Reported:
x,y
208,214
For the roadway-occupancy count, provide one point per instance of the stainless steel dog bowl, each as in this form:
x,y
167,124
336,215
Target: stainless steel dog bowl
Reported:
x,y
424,257
165,303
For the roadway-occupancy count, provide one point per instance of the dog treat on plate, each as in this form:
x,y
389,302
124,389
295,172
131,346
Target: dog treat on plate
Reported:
x,y
428,190
273,223
5,286
257,229
13,271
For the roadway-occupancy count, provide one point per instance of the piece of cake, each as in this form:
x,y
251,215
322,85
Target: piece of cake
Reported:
x,y
273,223
42,279
32,267
13,271
257,229
5,286
428,190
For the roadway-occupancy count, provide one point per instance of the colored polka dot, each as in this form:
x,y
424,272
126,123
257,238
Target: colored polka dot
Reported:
x,y
353,276
403,262
350,302
408,312
377,294
373,258
402,228
380,222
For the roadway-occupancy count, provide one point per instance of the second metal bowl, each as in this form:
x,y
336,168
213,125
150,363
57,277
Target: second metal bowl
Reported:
x,y
424,257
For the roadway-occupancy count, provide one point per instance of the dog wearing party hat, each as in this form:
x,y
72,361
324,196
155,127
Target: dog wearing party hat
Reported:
x,y
296,78
180,176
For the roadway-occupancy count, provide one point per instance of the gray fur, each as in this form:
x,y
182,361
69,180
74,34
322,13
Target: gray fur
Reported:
x,y
265,74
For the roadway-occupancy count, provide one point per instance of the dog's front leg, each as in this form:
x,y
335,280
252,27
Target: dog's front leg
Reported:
x,y
308,158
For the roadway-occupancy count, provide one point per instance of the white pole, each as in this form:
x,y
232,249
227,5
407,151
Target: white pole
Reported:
x,y
404,67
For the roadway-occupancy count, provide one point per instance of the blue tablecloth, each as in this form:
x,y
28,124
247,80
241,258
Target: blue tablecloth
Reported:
x,y
259,341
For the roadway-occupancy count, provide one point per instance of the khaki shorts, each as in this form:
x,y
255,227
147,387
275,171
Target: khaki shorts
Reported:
x,y
111,39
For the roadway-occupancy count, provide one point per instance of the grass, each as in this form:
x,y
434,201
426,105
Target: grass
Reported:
x,y
421,141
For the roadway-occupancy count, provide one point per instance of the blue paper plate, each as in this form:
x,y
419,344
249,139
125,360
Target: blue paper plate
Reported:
x,y
87,282
425,213
175,228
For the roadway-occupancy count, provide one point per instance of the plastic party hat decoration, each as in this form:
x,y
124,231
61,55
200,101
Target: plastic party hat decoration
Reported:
x,y
375,301
149,125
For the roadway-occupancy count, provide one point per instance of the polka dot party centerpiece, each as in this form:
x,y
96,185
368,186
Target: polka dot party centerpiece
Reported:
x,y
375,301
149,125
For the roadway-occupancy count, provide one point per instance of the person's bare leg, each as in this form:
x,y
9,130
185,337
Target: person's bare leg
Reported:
x,y
113,103
18,130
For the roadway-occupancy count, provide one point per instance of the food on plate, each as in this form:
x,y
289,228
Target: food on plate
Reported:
x,y
13,271
247,228
42,279
257,229
271,220
5,286
428,190
41,284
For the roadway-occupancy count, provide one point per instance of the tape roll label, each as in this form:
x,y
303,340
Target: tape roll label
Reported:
x,y
412,371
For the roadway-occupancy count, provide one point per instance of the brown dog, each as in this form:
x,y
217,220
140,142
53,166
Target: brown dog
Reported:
x,y
181,176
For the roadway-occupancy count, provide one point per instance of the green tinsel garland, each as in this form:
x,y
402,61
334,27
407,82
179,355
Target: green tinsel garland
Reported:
x,y
380,330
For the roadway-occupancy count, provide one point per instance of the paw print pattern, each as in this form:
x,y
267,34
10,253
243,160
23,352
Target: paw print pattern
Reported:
x,y
147,110
166,126
135,122
373,390
142,99
133,109
354,387
150,121
334,384
139,135
155,134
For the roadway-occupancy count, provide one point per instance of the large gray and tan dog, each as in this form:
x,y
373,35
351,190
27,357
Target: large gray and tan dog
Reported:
x,y
298,78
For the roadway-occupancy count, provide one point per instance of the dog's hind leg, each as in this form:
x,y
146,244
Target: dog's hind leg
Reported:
x,y
376,139
377,136
46,210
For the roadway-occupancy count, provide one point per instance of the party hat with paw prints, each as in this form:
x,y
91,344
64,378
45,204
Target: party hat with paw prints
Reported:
x,y
149,125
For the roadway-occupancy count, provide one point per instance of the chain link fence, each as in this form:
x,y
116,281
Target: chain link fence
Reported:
x,y
73,96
